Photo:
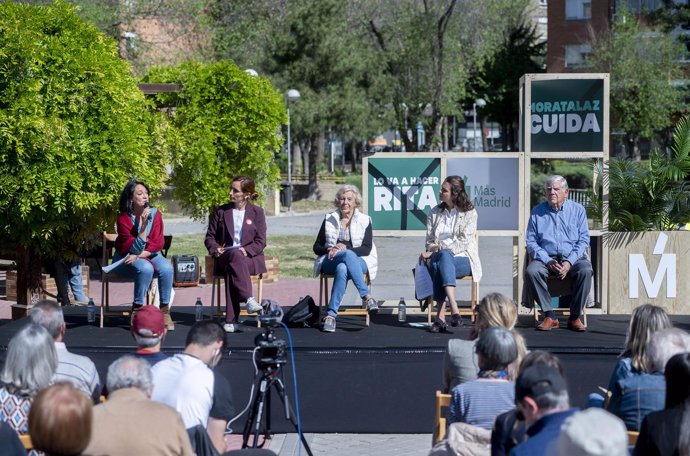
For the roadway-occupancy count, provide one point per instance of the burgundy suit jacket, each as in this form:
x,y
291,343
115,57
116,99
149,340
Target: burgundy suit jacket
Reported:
x,y
221,228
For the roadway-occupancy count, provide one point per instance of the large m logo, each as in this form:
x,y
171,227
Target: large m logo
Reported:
x,y
637,268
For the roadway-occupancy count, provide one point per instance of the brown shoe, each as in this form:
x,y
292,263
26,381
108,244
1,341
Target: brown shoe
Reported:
x,y
548,324
169,323
576,325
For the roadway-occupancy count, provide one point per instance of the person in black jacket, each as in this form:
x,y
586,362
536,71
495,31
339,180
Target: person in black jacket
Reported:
x,y
667,432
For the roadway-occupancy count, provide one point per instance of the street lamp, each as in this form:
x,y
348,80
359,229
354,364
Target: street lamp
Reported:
x,y
481,103
292,95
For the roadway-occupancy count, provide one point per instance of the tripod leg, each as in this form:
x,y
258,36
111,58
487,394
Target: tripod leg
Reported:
x,y
283,397
255,415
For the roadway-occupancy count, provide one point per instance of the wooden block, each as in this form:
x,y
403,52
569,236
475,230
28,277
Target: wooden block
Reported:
x,y
11,286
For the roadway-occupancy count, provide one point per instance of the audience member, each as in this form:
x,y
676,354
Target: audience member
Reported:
x,y
188,383
76,369
636,396
451,248
29,367
236,238
148,331
479,401
117,423
460,360
11,445
645,320
541,396
557,239
667,432
345,249
60,420
68,275
591,432
510,428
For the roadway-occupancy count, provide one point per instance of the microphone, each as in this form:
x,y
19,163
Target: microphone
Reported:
x,y
150,215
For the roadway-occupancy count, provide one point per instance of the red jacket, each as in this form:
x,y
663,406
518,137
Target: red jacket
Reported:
x,y
127,234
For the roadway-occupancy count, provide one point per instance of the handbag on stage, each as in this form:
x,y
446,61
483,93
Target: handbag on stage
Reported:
x,y
423,285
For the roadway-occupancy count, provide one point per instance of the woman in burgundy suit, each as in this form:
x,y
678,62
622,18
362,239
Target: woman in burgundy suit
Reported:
x,y
236,237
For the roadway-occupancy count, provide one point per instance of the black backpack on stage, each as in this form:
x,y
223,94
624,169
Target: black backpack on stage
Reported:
x,y
303,314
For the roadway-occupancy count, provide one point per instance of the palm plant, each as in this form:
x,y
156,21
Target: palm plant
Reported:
x,y
652,195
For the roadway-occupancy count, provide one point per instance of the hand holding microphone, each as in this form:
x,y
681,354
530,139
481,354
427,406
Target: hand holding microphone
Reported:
x,y
147,206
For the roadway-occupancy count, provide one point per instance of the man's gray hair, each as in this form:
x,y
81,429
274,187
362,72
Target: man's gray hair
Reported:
x,y
31,361
49,315
130,372
553,401
664,344
556,179
146,342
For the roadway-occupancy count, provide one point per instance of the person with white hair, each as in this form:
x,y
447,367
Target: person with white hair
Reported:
x,y
29,367
129,422
76,369
591,432
557,239
345,249
634,397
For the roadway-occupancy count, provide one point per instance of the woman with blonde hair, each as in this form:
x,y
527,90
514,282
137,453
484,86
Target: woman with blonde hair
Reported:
x,y
460,360
345,249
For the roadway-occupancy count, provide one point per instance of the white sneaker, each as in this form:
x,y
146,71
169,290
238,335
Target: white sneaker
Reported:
x,y
253,306
229,327
329,324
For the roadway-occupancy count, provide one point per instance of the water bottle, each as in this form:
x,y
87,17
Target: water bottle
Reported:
x,y
402,311
91,311
198,310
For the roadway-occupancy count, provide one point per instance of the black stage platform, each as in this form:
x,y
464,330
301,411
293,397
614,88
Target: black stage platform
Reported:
x,y
379,379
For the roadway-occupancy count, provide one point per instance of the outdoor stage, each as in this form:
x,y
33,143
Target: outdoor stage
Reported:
x,y
379,379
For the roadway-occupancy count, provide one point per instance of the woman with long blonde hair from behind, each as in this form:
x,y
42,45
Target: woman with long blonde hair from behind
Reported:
x,y
460,360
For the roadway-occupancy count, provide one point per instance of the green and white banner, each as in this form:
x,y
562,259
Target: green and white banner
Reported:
x,y
402,191
567,115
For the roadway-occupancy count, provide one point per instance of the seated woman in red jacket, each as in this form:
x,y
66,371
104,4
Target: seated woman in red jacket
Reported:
x,y
236,237
139,241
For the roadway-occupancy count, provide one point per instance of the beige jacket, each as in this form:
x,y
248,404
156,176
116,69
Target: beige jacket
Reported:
x,y
130,423
464,239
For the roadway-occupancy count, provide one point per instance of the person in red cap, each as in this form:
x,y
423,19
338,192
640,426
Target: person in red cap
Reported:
x,y
148,330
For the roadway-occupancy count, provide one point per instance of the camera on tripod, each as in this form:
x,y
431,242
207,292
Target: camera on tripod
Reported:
x,y
272,350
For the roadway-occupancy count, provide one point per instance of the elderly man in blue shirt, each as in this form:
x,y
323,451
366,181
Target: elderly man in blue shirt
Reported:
x,y
557,239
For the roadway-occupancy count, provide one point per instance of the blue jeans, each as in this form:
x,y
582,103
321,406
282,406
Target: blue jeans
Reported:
x,y
344,265
142,273
444,268
69,272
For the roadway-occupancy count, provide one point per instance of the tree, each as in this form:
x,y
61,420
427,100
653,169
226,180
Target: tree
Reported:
x,y
498,79
150,32
318,48
652,195
428,48
74,128
675,16
224,122
643,64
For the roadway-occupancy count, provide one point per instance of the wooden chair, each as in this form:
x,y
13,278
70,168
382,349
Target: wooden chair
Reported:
x,y
344,310
442,404
474,286
216,291
632,438
111,277
26,441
